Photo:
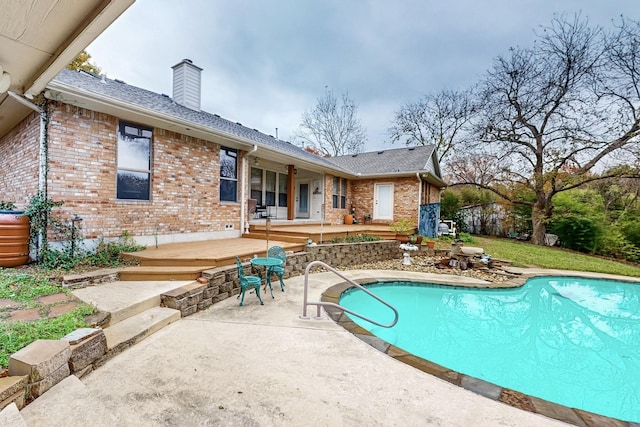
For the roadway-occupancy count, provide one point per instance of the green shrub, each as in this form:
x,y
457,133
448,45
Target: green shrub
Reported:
x,y
107,254
614,244
577,233
631,231
355,239
7,206
463,237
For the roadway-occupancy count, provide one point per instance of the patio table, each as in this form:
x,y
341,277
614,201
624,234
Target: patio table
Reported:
x,y
265,263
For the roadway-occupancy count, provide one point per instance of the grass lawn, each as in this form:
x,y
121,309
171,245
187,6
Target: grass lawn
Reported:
x,y
525,254
24,289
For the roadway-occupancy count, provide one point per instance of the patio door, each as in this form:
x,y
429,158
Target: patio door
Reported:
x,y
383,201
302,198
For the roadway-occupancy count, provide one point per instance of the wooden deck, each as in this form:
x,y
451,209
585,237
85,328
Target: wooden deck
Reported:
x,y
186,260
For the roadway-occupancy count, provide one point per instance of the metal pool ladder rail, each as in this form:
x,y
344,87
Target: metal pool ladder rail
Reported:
x,y
331,304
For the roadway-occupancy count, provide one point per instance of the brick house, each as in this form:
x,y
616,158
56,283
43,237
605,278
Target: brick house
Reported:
x,y
126,159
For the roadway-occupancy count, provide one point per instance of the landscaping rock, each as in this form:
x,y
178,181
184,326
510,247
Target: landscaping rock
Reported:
x,y
39,359
12,390
84,351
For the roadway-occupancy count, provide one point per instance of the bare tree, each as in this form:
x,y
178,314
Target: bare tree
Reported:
x,y
554,112
441,119
333,129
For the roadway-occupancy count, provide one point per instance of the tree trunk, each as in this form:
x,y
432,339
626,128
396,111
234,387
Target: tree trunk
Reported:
x,y
539,220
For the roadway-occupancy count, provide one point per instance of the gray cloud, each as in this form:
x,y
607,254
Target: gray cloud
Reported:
x,y
266,62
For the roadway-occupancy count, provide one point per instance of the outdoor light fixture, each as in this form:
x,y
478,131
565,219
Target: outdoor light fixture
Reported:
x,y
74,218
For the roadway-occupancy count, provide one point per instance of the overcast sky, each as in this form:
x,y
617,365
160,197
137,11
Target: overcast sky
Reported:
x,y
267,61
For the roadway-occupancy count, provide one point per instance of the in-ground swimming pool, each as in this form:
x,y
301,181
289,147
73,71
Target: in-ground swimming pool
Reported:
x,y
572,341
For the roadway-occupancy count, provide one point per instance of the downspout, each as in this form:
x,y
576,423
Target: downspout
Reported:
x,y
44,158
419,197
243,221
43,166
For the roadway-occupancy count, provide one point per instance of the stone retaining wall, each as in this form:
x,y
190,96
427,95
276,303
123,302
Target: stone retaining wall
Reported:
x,y
221,283
75,281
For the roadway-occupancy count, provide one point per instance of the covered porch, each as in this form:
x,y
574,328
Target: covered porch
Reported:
x,y
284,191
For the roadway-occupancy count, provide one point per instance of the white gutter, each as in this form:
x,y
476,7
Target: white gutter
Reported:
x,y
419,197
243,198
43,161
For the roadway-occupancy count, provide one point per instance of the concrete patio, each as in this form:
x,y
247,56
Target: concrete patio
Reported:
x,y
263,365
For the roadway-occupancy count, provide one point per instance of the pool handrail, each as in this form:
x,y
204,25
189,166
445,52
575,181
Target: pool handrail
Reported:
x,y
319,304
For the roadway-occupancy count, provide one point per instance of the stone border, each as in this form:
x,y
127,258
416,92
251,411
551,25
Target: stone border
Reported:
x,y
510,397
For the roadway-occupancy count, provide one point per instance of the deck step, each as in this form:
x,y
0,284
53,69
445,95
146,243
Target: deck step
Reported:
x,y
288,237
134,329
161,271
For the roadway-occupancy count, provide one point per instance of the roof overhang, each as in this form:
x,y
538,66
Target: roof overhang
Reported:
x,y
424,176
40,38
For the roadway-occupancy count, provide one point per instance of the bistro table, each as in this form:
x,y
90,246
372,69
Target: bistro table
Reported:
x,y
265,263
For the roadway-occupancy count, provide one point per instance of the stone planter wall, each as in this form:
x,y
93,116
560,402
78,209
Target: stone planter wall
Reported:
x,y
221,283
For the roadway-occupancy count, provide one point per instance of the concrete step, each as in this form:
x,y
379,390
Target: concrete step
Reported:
x,y
68,403
128,332
123,299
10,416
160,272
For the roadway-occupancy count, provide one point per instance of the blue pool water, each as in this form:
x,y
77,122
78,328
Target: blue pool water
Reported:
x,y
572,341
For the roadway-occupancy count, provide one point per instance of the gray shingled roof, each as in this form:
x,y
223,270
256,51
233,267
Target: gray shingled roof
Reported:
x,y
165,105
398,160
401,160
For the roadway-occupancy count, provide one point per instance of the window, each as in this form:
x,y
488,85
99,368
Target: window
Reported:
x,y
228,175
339,193
270,194
256,185
134,162
282,190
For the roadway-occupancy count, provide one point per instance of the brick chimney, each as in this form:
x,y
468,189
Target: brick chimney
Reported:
x,y
186,84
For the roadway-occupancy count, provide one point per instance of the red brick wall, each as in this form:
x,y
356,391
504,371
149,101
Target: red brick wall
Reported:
x,y
184,188
19,162
405,194
335,215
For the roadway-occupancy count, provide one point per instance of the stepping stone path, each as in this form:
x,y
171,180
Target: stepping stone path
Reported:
x,y
54,305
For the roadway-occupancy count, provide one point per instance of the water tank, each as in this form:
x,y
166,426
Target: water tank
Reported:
x,y
14,238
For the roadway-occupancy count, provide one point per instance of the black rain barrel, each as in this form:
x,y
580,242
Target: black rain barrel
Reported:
x,y
14,238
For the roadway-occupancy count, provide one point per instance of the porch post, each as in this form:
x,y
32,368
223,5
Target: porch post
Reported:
x,y
291,192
